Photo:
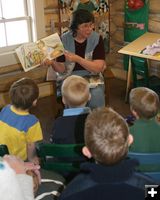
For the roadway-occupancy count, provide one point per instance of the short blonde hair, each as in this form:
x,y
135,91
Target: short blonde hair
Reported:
x,y
144,101
75,91
106,136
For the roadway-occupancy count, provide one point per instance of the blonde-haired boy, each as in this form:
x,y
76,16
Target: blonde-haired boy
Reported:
x,y
69,128
75,91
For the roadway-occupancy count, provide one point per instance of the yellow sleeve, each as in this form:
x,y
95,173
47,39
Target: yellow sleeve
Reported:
x,y
34,133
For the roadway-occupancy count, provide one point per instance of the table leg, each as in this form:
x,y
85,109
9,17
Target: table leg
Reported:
x,y
148,63
128,79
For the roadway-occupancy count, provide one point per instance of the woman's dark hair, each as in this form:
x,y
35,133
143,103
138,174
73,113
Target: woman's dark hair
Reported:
x,y
79,17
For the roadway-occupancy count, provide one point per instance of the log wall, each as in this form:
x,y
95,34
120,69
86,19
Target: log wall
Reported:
x,y
115,60
12,73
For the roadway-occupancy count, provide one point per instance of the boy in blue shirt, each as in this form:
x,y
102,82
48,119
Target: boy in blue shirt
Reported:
x,y
69,128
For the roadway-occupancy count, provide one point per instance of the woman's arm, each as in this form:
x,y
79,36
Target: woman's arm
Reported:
x,y
57,66
96,65
90,65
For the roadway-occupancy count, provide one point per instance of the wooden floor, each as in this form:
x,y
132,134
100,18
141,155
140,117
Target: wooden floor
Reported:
x,y
46,111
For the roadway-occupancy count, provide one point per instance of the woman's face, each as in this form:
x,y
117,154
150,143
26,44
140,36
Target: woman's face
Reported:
x,y
84,30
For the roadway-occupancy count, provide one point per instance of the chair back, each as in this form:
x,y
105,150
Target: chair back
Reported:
x,y
3,149
140,72
60,157
141,76
148,159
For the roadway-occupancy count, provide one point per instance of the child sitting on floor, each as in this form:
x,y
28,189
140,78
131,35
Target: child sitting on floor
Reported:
x,y
144,105
69,128
111,176
19,129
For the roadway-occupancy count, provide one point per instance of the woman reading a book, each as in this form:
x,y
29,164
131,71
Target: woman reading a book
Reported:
x,y
84,54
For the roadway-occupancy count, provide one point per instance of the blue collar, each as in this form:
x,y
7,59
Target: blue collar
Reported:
x,y
75,111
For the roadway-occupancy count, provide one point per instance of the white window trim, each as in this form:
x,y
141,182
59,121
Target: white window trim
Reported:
x,y
9,57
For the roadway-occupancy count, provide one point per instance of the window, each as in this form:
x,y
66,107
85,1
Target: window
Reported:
x,y
15,23
19,24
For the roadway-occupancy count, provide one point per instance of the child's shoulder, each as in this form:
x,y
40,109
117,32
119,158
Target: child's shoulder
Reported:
x,y
32,117
6,108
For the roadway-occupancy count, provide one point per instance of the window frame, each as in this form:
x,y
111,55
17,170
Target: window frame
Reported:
x,y
36,28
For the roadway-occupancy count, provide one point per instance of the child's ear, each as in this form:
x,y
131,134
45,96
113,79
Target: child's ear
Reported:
x,y
63,100
34,102
89,98
130,139
134,113
86,152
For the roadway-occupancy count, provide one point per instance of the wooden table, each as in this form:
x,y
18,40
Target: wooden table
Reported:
x,y
134,49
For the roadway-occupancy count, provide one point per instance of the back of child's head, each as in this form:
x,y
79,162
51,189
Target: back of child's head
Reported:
x,y
144,101
75,91
106,136
23,93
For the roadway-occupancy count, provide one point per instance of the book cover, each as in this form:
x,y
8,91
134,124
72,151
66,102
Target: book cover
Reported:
x,y
31,55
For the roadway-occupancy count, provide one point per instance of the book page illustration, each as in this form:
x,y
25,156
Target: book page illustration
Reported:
x,y
94,80
31,55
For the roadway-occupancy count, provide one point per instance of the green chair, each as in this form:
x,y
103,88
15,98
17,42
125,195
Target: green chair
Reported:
x,y
141,77
3,149
149,160
62,158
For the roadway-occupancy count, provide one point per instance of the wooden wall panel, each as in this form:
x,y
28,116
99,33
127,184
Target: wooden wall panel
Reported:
x,y
117,26
154,6
38,74
45,89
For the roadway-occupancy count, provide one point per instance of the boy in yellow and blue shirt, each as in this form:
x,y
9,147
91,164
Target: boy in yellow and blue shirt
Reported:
x,y
19,129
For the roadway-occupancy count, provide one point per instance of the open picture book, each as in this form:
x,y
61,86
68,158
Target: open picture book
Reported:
x,y
31,55
94,80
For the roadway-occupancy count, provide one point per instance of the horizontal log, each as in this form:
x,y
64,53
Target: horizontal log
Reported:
x,y
154,25
50,4
154,6
38,74
113,28
45,89
118,20
118,5
118,37
10,68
